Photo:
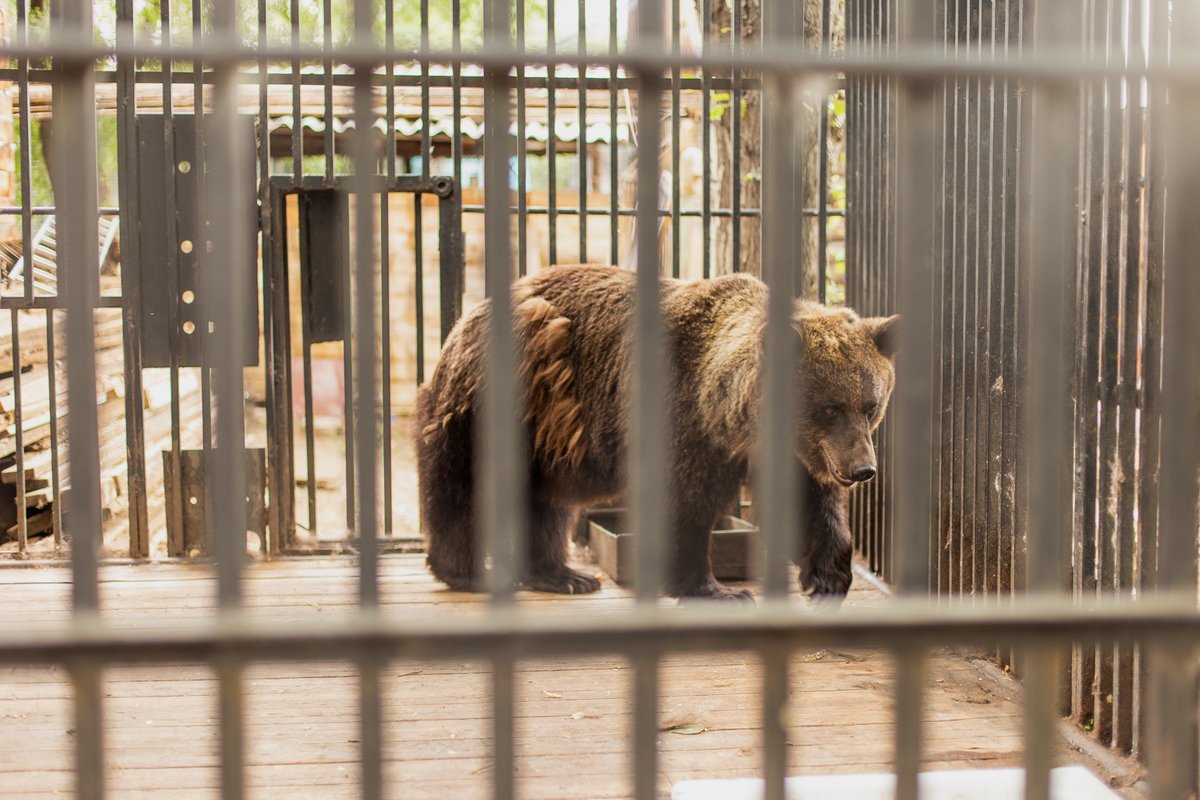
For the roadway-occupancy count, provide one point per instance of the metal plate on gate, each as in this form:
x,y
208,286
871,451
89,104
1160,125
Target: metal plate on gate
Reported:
x,y
195,537
325,261
173,240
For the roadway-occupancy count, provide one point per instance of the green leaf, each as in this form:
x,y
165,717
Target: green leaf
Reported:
x,y
691,729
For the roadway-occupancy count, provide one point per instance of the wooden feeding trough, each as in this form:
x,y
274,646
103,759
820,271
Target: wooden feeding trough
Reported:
x,y
612,545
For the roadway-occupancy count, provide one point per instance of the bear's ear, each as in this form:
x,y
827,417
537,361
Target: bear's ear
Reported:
x,y
885,332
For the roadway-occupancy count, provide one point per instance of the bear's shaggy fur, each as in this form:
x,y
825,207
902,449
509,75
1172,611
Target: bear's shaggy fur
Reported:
x,y
573,327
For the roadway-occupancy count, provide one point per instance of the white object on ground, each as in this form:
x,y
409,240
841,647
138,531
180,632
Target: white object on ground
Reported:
x,y
1066,783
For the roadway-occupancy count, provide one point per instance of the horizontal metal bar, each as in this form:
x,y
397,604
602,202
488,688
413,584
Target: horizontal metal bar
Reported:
x,y
1033,619
108,211
55,301
592,83
1064,64
573,211
439,185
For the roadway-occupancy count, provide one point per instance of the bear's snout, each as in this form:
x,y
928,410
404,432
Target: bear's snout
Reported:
x,y
862,473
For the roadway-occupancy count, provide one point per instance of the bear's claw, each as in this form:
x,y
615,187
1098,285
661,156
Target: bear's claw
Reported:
x,y
566,582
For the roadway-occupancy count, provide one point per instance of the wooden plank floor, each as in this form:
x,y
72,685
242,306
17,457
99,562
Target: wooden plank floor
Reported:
x,y
574,717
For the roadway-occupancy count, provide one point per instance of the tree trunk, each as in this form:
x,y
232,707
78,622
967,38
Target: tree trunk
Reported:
x,y
749,259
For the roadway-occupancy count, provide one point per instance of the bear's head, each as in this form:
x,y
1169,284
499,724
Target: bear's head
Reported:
x,y
846,375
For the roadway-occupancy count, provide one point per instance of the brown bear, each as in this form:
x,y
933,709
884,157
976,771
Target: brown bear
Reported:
x,y
573,326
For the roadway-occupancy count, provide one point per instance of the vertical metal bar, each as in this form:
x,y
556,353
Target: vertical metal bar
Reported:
x,y
973,329
1123,678
735,108
987,375
522,152
88,710
910,677
306,304
24,119
1012,195
706,140
917,135
1049,312
426,122
1089,328
1109,342
965,532
366,187
170,165
231,712
614,144
419,280
297,110
822,164
385,266
946,265
676,148
874,255
456,99
1050,315
776,475
502,488
264,242
281,438
552,132
200,255
938,323
131,306
647,470
74,101
775,713
55,442
75,145
581,142
954,438
1040,708
22,510
1149,440
224,306
327,79
503,711
1151,390
1172,754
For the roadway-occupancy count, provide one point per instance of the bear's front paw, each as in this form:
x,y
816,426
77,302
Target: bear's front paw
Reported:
x,y
833,583
711,590
566,582
830,600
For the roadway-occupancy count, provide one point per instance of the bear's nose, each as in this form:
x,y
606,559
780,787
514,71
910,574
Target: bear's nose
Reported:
x,y
863,472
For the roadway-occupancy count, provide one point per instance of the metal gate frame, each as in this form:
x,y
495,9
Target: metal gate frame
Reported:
x,y
276,282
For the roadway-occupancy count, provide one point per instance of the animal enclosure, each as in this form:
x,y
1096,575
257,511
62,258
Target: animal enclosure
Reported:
x,y
235,235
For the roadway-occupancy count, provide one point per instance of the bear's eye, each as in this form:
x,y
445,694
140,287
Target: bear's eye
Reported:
x,y
870,410
831,412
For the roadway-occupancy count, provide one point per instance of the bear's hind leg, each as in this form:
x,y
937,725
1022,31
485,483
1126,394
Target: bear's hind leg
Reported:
x,y
444,454
451,551
549,528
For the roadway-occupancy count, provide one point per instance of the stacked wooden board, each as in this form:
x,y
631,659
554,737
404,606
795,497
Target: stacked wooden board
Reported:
x,y
25,418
